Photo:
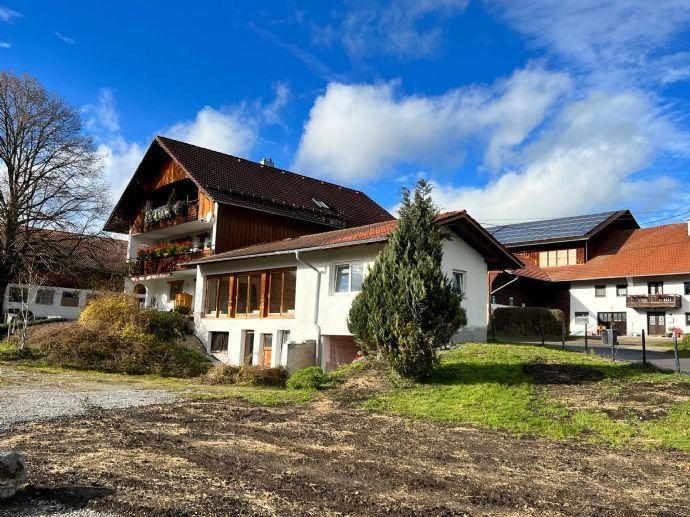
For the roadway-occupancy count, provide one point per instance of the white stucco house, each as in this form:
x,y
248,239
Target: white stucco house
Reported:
x,y
251,303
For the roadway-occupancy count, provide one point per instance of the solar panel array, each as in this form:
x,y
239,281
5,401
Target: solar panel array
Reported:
x,y
563,228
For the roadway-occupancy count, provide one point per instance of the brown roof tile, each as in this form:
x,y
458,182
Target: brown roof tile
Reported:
x,y
377,232
232,180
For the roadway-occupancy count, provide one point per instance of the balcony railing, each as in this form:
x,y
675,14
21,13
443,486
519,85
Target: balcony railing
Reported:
x,y
653,301
162,265
190,213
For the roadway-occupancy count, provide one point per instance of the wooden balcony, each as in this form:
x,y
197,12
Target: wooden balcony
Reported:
x,y
191,213
163,265
653,301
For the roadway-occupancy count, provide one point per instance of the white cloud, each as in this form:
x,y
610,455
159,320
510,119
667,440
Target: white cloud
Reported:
x,y
8,15
65,39
400,28
102,116
357,132
609,38
587,161
5,44
232,130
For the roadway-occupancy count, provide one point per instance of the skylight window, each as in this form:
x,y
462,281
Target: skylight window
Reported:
x,y
320,203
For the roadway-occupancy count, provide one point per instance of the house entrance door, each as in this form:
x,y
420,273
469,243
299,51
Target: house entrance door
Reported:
x,y
656,323
267,347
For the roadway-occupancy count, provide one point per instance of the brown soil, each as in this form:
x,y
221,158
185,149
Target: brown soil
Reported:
x,y
576,387
232,458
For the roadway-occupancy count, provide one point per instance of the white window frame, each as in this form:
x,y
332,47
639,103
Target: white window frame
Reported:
x,y
43,290
463,276
334,283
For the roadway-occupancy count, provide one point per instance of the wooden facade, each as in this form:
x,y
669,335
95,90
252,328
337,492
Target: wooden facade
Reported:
x,y
239,227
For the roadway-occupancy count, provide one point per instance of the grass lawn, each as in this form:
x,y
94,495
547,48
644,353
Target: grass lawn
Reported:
x,y
532,390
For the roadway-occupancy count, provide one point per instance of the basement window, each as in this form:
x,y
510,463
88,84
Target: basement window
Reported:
x,y
219,342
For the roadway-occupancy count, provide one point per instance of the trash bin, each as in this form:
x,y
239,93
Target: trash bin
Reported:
x,y
609,337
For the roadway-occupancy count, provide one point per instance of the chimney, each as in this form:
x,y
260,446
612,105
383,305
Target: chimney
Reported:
x,y
269,162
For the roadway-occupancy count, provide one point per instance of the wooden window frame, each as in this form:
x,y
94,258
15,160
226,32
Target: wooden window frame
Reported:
x,y
233,293
172,284
282,314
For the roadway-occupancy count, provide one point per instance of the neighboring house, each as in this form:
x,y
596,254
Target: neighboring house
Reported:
x,y
185,202
89,265
252,302
602,270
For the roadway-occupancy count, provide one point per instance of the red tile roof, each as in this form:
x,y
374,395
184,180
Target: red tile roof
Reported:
x,y
660,250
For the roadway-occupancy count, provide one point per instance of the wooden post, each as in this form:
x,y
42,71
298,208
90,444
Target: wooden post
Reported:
x,y
563,334
586,344
644,349
541,329
675,351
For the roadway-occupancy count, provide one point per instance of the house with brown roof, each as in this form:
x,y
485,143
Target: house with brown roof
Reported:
x,y
602,270
78,268
267,260
185,202
258,299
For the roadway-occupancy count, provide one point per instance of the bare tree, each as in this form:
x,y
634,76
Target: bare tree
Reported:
x,y
51,186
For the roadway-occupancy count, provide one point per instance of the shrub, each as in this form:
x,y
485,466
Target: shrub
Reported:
x,y
311,378
112,312
221,374
261,376
166,326
526,321
407,308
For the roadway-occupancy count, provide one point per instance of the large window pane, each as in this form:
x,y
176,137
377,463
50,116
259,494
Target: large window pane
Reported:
x,y
276,291
212,295
342,278
223,295
242,285
356,271
289,290
254,294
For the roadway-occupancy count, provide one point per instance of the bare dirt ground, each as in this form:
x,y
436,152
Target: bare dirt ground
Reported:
x,y
232,458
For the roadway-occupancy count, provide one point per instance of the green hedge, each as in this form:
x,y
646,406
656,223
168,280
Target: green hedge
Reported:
x,y
528,321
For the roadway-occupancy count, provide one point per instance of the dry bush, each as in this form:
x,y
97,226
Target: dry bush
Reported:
x,y
221,374
261,376
74,345
112,312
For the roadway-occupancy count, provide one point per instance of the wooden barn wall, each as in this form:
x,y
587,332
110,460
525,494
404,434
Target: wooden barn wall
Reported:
x,y
205,205
238,227
169,173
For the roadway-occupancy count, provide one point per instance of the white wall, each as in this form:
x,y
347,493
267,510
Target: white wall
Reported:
x,y
54,310
158,291
333,308
583,299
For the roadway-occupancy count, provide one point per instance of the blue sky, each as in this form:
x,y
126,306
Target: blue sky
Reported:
x,y
514,110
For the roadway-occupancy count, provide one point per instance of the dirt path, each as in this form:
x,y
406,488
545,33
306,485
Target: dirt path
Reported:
x,y
232,458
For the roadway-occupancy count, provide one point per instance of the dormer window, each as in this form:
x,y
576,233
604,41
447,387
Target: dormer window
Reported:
x,y
320,203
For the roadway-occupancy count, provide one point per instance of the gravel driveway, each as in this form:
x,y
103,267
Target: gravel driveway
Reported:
x,y
29,396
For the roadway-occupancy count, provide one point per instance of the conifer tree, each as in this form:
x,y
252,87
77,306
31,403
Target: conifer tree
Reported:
x,y
407,308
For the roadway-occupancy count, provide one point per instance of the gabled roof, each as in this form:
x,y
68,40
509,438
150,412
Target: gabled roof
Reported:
x,y
236,181
561,229
495,254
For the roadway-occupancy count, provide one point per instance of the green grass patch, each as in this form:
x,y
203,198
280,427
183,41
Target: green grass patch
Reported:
x,y
496,387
